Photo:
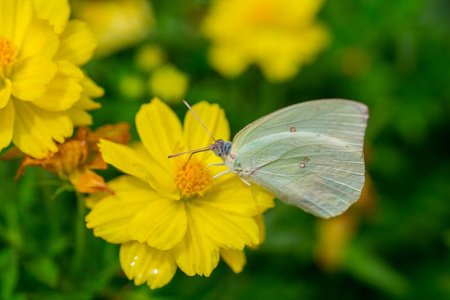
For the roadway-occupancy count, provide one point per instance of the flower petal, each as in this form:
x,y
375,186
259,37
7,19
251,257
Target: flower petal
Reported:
x,y
31,77
225,229
5,92
36,128
162,224
6,124
110,218
15,16
235,259
79,116
213,117
89,182
64,89
234,196
56,12
86,103
40,40
160,130
91,89
196,253
145,264
134,163
77,43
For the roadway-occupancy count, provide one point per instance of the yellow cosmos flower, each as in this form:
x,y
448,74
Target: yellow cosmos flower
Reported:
x,y
171,213
278,35
117,24
43,92
169,83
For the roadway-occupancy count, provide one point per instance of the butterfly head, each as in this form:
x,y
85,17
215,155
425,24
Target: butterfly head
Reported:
x,y
221,148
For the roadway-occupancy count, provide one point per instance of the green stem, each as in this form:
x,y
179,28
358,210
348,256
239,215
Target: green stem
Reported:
x,y
80,233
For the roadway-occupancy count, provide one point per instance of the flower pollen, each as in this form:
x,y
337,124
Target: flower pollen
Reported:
x,y
7,52
192,178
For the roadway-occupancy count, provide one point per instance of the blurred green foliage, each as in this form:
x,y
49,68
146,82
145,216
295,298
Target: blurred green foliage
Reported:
x,y
392,56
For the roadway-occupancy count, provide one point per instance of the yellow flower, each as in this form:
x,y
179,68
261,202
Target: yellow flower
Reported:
x,y
43,92
171,213
149,57
117,24
278,35
169,83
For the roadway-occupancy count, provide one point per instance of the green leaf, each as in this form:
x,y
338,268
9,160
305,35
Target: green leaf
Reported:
x,y
9,273
370,269
45,270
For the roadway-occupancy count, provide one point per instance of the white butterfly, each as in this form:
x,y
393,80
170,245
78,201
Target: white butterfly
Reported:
x,y
309,154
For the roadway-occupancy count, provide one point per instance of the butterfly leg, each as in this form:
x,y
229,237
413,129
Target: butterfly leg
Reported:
x,y
218,164
245,181
223,173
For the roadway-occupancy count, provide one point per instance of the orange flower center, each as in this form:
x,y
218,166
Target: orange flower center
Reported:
x,y
192,178
263,13
7,52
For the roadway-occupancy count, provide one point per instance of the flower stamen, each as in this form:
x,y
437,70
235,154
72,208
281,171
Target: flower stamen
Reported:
x,y
7,52
192,178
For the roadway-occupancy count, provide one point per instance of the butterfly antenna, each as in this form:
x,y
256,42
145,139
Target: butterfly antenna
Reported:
x,y
195,150
185,103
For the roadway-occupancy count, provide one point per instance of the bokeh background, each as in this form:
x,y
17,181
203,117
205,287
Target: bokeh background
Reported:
x,y
393,244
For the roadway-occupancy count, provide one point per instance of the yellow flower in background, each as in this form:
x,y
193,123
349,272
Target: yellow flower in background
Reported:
x,y
117,24
169,83
170,213
43,92
149,57
278,35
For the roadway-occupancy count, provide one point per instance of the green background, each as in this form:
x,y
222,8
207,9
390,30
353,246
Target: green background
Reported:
x,y
400,249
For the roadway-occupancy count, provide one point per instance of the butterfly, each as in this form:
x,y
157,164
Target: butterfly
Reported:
x,y
308,155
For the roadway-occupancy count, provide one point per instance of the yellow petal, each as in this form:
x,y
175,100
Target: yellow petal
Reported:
x,y
79,117
213,117
56,12
229,61
235,259
145,264
132,162
111,216
224,229
40,41
86,103
160,131
36,128
91,89
234,196
15,16
196,253
5,92
6,124
77,43
31,77
64,89
162,224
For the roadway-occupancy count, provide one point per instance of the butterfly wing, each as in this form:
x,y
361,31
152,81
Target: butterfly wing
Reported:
x,y
320,174
307,154
337,118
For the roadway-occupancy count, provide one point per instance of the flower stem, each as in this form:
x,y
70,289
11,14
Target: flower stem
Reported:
x,y
80,233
